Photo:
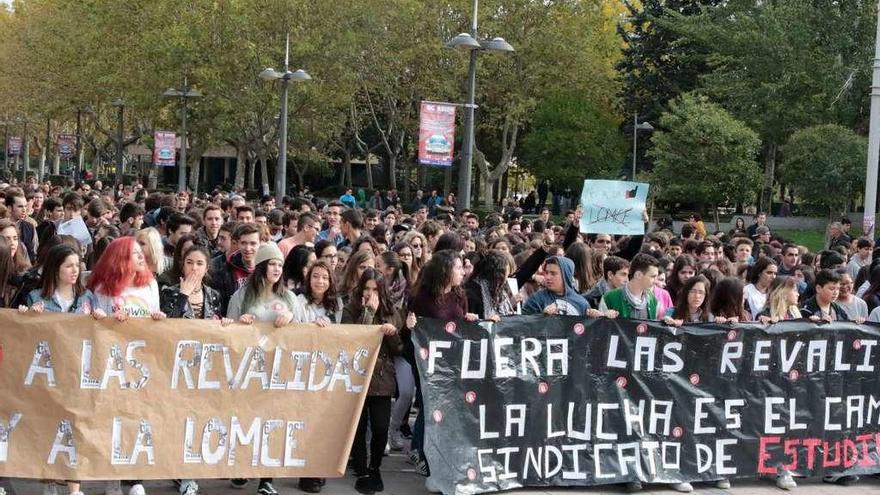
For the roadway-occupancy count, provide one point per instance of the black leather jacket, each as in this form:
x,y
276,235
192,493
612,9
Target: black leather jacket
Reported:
x,y
176,305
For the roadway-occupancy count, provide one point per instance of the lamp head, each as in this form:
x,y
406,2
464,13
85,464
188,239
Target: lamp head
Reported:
x,y
464,41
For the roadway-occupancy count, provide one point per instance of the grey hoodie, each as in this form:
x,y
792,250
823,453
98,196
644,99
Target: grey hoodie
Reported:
x,y
570,303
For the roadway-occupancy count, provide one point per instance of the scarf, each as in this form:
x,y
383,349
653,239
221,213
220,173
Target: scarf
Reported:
x,y
639,304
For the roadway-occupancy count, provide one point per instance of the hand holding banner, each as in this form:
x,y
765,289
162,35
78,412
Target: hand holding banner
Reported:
x,y
97,400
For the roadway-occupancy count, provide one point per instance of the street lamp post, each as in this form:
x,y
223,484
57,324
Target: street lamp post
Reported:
x,y
873,141
270,74
120,136
183,93
468,41
644,126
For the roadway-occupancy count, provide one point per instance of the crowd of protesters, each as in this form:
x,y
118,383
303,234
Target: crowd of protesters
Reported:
x,y
380,261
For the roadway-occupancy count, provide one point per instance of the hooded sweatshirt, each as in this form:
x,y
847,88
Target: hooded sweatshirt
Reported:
x,y
569,303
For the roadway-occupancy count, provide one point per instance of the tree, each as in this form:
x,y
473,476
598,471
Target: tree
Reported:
x,y
569,139
659,63
783,65
704,155
825,165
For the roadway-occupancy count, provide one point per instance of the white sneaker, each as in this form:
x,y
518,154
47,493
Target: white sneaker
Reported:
x,y
137,489
396,440
786,482
432,486
723,484
189,487
50,488
113,488
682,487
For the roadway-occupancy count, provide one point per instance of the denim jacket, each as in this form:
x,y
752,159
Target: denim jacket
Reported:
x,y
82,305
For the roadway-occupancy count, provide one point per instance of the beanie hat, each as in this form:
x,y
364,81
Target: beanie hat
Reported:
x,y
269,251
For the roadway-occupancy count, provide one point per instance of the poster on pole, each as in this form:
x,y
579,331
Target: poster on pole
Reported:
x,y
613,207
13,146
66,146
436,133
165,149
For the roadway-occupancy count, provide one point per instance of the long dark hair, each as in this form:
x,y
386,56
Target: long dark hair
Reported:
x,y
54,259
255,284
491,268
727,299
385,309
176,270
197,247
755,271
7,271
296,260
436,274
682,309
673,285
330,301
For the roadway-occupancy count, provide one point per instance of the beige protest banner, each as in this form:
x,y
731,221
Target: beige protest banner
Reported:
x,y
93,400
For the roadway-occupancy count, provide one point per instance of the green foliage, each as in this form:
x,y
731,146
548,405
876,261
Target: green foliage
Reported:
x,y
704,155
825,165
570,139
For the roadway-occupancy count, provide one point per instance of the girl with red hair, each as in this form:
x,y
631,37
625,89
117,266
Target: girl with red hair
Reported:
x,y
123,283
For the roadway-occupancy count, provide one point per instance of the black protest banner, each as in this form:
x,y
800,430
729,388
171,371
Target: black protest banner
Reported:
x,y
562,401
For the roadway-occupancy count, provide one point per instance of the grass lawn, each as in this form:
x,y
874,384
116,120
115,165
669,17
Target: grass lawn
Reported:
x,y
813,239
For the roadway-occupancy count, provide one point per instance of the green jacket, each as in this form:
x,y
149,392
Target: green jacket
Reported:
x,y
616,300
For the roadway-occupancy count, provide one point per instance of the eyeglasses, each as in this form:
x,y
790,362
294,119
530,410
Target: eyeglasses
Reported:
x,y
416,246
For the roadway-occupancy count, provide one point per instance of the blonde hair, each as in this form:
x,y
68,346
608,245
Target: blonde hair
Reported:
x,y
779,307
154,252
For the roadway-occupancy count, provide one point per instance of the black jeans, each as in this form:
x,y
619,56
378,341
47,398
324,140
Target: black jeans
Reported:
x,y
377,411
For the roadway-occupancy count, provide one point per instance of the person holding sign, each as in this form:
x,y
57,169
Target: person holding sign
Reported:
x,y
125,288
370,304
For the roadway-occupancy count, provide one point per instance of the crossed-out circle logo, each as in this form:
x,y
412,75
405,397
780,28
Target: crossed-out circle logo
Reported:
x,y
695,379
794,375
470,397
423,352
450,327
857,344
731,335
677,432
472,474
543,387
579,328
438,416
621,382
642,329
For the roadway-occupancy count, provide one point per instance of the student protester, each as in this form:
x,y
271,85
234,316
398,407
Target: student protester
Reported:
x,y
488,293
782,301
685,267
370,304
438,294
860,258
355,267
558,297
319,301
228,274
585,275
616,273
824,306
326,251
636,298
302,231
760,276
173,274
856,308
296,265
692,305
191,297
726,302
124,287
263,298
212,220
151,244
396,274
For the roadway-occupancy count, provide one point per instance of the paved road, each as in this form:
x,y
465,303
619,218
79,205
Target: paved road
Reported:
x,y
401,480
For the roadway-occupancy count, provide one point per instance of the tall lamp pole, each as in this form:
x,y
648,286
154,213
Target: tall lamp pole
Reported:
x,y
873,140
644,126
183,93
469,42
270,74
120,136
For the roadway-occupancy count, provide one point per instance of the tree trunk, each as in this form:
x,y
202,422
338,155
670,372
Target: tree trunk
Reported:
x,y
766,201
487,187
392,175
56,165
264,172
717,220
195,168
251,170
369,173
240,166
